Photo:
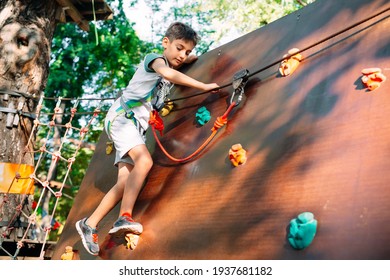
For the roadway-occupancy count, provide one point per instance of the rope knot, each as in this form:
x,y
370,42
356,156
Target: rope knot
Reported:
x,y
219,122
156,121
18,208
19,244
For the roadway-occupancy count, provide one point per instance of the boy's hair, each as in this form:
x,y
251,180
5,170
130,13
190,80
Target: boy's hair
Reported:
x,y
179,30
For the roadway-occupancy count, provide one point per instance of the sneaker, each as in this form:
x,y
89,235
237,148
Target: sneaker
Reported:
x,y
126,224
88,236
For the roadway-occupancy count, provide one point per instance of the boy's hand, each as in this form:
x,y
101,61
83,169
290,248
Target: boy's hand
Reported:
x,y
210,87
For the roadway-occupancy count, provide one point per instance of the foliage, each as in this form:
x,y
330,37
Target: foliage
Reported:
x,y
199,19
80,60
235,17
216,20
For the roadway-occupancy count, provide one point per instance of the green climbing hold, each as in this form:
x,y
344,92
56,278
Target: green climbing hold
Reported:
x,y
302,230
202,116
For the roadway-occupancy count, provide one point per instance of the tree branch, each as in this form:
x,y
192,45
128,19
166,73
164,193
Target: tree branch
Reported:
x,y
301,2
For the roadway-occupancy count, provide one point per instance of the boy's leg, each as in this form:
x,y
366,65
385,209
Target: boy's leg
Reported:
x,y
87,227
113,196
142,165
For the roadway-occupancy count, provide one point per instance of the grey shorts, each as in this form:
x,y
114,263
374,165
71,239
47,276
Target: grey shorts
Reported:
x,y
125,135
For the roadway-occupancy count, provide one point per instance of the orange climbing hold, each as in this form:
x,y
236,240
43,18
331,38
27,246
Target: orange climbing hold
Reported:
x,y
372,78
290,64
237,155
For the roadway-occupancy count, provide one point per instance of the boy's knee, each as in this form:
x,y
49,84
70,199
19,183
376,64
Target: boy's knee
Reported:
x,y
146,162
150,163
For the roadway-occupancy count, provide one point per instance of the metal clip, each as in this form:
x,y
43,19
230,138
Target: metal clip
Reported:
x,y
239,81
129,115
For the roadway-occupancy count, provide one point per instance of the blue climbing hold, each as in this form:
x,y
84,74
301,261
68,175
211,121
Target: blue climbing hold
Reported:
x,y
202,116
302,230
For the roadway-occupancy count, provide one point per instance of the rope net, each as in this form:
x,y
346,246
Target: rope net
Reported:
x,y
23,208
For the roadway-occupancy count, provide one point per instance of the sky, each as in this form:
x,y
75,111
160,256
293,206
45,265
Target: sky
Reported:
x,y
141,15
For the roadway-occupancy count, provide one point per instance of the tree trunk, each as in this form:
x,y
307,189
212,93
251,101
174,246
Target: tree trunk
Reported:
x,y
26,32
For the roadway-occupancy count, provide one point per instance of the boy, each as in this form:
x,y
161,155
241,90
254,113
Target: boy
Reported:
x,y
126,124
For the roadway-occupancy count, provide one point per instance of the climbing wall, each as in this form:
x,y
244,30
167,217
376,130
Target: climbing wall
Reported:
x,y
317,141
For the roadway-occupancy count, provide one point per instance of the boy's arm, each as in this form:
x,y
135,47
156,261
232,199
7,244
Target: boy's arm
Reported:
x,y
179,78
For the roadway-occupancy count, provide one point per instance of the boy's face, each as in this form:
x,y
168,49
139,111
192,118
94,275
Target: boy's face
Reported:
x,y
177,51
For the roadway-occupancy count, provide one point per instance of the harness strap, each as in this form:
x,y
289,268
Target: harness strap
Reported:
x,y
129,114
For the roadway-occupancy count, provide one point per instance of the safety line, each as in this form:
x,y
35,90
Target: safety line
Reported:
x,y
319,42
287,56
78,113
34,97
220,122
81,98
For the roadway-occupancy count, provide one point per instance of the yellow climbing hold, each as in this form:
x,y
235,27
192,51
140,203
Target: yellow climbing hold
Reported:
x,y
132,241
68,255
167,108
109,147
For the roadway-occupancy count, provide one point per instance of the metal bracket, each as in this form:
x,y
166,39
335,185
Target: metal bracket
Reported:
x,y
18,112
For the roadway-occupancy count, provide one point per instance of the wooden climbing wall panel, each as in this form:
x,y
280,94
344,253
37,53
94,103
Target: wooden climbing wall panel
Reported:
x,y
316,141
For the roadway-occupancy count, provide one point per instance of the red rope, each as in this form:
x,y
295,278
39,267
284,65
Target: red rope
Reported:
x,y
157,124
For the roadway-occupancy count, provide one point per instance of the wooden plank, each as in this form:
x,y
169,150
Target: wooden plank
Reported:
x,y
74,13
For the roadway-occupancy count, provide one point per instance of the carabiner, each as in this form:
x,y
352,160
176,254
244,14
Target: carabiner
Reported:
x,y
239,81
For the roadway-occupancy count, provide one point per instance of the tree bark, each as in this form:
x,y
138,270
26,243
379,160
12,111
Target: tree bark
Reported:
x,y
26,32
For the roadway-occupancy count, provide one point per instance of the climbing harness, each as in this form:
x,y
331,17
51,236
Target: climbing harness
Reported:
x,y
129,114
239,81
